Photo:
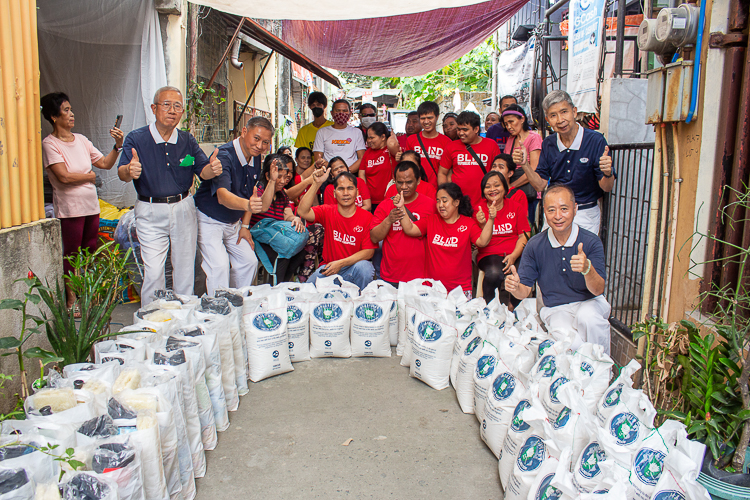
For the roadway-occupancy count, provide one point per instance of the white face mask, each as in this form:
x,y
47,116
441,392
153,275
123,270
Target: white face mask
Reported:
x,y
368,120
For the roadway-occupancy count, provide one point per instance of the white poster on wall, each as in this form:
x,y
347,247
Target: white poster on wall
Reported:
x,y
515,74
584,52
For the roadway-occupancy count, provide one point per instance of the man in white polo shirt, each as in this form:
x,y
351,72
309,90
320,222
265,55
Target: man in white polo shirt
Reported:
x,y
340,139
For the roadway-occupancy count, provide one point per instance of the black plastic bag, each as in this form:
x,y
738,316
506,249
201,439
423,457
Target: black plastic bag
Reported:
x,y
110,456
218,305
175,359
117,410
173,344
85,487
98,427
12,479
233,298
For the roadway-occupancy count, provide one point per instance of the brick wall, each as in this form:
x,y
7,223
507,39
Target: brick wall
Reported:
x,y
622,348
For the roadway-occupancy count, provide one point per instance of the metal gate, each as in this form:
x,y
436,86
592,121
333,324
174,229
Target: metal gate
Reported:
x,y
625,214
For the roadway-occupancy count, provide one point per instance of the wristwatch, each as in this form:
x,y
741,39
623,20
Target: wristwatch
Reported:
x,y
245,226
608,176
116,148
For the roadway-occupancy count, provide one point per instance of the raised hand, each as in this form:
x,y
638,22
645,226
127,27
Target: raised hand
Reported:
x,y
480,217
134,167
492,210
395,215
605,162
215,164
273,175
512,280
578,262
398,201
320,163
321,175
255,203
118,136
519,154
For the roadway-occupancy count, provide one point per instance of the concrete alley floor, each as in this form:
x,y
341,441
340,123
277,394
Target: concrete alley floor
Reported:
x,y
408,440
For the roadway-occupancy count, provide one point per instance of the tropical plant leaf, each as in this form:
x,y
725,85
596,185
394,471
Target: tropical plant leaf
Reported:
x,y
11,304
9,343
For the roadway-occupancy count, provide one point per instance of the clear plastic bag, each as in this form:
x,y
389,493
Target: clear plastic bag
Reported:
x,y
15,484
87,486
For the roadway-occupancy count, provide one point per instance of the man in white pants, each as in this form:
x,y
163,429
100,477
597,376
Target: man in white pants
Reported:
x,y
225,206
162,161
574,156
567,262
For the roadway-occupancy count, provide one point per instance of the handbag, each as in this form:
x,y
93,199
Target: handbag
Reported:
x,y
282,237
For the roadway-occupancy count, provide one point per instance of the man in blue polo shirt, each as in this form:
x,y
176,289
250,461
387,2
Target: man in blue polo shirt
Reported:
x,y
567,262
225,206
162,161
574,156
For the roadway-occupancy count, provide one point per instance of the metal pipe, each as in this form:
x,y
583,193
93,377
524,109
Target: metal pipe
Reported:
x,y
663,211
19,89
620,41
257,81
31,105
10,149
223,58
697,66
554,8
673,224
37,95
234,59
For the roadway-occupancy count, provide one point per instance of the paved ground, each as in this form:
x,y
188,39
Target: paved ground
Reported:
x,y
408,440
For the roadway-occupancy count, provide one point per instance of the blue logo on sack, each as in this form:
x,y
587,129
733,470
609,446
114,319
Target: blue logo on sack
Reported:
x,y
613,396
554,387
289,298
291,345
531,454
275,354
413,318
393,305
648,465
327,312
547,366
669,495
562,418
368,343
503,386
484,424
266,322
517,424
468,331
418,363
546,491
327,343
590,458
332,295
544,346
625,427
472,345
293,314
429,331
485,366
587,368
369,313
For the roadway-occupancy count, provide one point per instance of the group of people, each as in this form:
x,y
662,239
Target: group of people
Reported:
x,y
370,203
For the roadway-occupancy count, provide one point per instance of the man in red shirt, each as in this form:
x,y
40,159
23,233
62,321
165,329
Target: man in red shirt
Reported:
x,y
429,143
411,127
463,155
403,256
347,248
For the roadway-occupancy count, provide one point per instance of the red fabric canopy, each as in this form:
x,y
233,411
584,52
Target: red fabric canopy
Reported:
x,y
406,45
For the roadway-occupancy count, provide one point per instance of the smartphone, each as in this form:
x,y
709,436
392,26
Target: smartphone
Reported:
x,y
118,121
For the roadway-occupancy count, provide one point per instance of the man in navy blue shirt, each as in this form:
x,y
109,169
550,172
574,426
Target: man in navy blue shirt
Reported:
x,y
162,161
567,262
225,206
574,156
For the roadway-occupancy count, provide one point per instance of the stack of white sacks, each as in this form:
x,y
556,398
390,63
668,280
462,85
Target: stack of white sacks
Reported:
x,y
141,417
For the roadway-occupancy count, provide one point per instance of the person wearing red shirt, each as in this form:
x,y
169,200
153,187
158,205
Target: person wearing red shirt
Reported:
x,y
467,173
509,235
376,166
450,234
404,257
436,144
337,166
423,187
504,164
347,248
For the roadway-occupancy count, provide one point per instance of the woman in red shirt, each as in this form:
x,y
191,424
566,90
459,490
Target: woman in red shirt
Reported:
x,y
376,166
509,235
338,165
450,234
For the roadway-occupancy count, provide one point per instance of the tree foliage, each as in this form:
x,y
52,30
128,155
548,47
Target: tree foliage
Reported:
x,y
469,73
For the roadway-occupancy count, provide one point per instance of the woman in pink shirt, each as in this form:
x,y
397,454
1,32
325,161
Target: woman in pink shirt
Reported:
x,y
526,145
68,158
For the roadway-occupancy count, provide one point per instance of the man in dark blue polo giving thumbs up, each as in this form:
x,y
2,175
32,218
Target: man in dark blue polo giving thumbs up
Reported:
x,y
567,262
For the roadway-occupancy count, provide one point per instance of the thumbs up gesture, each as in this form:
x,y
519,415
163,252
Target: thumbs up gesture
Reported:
x,y
492,209
481,219
134,167
579,262
519,154
605,163
255,203
215,164
512,280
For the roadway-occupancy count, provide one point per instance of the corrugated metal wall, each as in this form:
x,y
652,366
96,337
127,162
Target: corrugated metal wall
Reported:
x,y
21,190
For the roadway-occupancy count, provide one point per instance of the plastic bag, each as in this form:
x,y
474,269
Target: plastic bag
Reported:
x,y
592,369
648,461
337,284
506,392
330,323
632,418
574,425
611,396
222,305
15,484
681,468
98,427
432,344
267,341
483,373
218,325
143,435
526,411
118,460
463,381
370,327
298,325
386,291
41,467
414,288
120,350
87,486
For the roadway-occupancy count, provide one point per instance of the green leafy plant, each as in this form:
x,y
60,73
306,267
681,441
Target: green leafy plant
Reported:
x,y
195,104
17,413
98,279
14,345
67,457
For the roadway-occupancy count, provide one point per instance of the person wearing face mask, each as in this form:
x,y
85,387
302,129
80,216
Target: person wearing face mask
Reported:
x,y
368,115
340,139
317,102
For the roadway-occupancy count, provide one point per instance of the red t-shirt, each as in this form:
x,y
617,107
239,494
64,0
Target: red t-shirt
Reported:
x,y
297,180
378,168
343,236
424,188
436,148
402,141
466,172
510,223
362,194
449,249
517,195
404,257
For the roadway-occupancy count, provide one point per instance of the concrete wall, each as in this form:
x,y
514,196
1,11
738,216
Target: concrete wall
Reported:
x,y
37,247
623,115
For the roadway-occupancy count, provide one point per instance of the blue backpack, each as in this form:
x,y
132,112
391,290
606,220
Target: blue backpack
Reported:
x,y
282,237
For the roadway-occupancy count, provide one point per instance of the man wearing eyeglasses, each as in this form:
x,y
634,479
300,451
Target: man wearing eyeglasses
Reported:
x,y
367,116
162,161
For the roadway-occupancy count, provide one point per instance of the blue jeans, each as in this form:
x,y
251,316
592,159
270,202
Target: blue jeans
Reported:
x,y
360,274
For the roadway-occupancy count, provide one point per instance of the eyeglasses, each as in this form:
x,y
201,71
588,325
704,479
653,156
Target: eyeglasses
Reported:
x,y
166,105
